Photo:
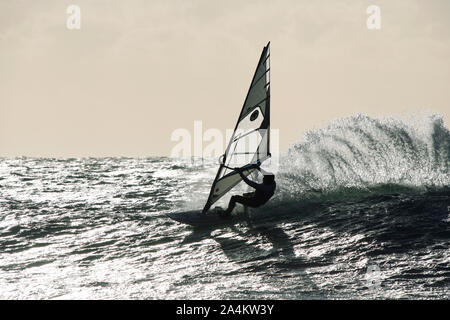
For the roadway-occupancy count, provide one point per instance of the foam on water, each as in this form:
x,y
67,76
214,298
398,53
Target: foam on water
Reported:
x,y
362,152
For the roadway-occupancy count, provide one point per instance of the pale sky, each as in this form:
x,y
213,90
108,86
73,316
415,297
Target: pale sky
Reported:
x,y
139,69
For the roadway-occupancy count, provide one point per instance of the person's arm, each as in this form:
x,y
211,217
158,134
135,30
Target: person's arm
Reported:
x,y
248,181
255,166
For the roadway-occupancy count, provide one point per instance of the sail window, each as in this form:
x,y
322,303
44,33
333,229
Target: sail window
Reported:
x,y
254,115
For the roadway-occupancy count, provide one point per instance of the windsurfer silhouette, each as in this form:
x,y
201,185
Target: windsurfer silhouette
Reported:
x,y
263,192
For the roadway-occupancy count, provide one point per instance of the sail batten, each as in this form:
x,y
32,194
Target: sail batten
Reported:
x,y
249,142
261,77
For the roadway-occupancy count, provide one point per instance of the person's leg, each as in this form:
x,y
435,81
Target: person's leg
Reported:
x,y
247,195
232,204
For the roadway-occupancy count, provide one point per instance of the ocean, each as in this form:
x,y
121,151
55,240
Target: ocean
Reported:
x,y
361,211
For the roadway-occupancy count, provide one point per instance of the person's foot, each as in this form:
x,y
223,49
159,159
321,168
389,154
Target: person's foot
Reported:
x,y
217,210
221,212
224,215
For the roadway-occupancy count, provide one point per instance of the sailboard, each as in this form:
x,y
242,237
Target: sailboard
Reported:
x,y
249,144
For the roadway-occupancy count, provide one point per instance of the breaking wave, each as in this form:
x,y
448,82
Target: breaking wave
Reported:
x,y
361,153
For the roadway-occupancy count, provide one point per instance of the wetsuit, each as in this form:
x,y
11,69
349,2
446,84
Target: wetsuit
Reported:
x,y
262,194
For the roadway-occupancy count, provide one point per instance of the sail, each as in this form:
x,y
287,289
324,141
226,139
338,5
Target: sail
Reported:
x,y
249,143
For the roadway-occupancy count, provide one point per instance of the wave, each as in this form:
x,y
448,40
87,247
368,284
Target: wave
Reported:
x,y
364,154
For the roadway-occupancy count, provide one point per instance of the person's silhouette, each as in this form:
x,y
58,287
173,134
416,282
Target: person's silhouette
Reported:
x,y
263,192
